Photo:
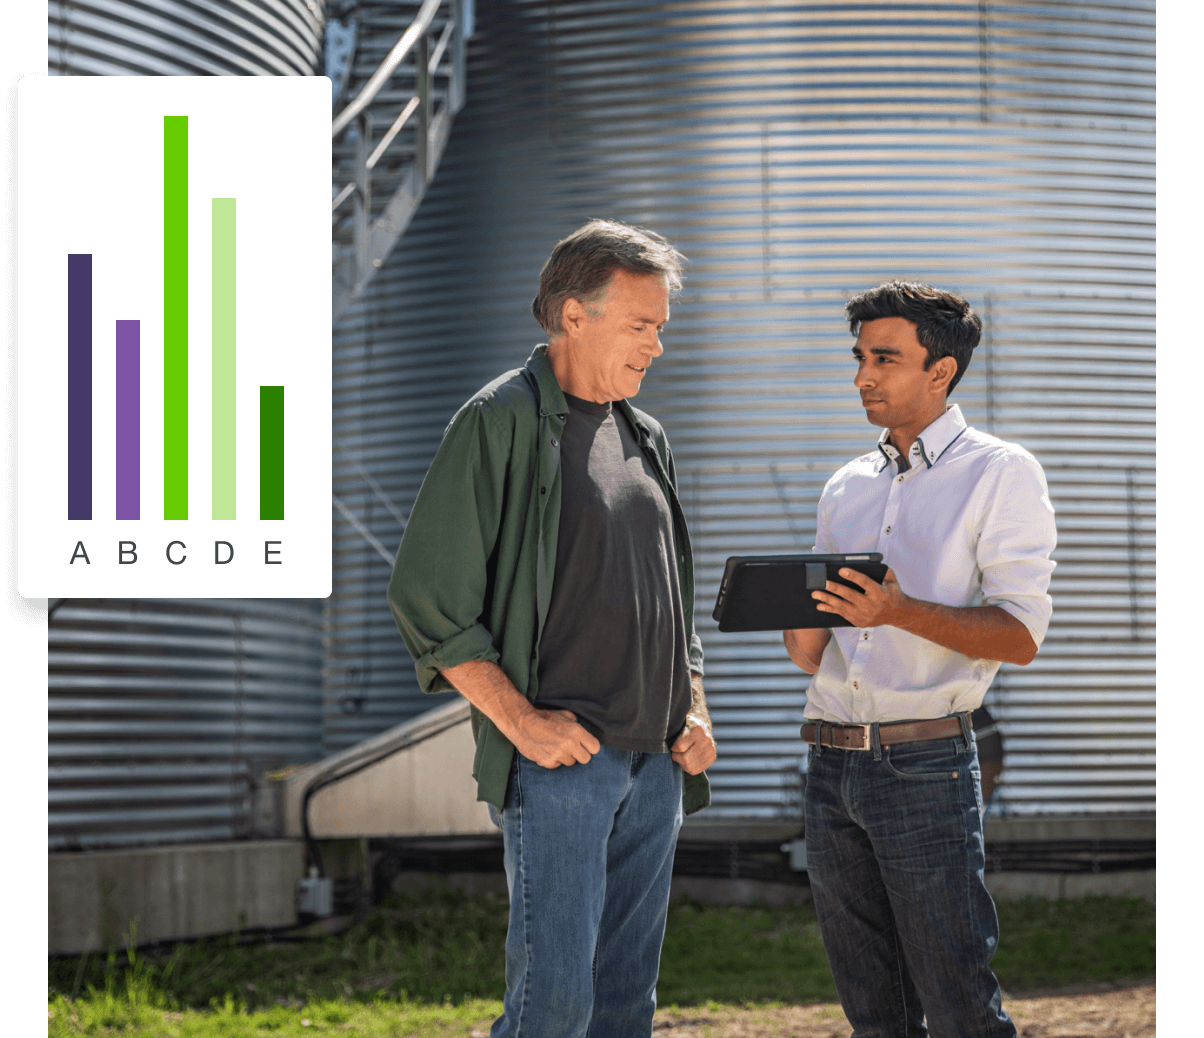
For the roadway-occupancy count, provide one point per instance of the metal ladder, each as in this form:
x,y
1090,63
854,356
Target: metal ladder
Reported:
x,y
387,141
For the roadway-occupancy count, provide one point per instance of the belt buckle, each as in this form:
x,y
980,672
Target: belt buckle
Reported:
x,y
865,737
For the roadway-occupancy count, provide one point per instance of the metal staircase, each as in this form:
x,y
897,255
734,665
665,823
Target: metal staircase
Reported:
x,y
388,139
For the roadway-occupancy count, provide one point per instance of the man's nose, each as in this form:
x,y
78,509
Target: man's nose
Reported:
x,y
862,378
657,348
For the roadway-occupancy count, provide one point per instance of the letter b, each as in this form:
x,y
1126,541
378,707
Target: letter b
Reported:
x,y
127,553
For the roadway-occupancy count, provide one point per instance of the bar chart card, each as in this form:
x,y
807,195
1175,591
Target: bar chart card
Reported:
x,y
173,337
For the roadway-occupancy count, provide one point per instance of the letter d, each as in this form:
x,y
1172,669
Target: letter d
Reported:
x,y
217,553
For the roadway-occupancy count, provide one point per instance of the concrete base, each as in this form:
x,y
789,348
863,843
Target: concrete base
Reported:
x,y
169,893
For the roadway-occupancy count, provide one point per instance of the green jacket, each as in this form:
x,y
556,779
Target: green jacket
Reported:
x,y
474,573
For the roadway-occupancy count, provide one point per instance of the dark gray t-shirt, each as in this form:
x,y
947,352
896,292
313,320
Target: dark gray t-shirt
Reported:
x,y
613,648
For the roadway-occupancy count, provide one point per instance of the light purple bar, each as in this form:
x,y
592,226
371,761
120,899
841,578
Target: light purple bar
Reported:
x,y
128,423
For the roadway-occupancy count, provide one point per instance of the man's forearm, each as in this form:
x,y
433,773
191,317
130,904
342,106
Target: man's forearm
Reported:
x,y
550,738
698,715
980,632
806,646
485,685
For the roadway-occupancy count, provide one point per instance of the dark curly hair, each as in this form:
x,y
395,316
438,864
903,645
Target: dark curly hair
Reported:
x,y
946,326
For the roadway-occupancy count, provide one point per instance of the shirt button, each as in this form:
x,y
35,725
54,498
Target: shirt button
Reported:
x,y
865,635
543,490
888,529
900,479
855,685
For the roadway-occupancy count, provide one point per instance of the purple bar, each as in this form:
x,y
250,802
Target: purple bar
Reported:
x,y
128,419
79,386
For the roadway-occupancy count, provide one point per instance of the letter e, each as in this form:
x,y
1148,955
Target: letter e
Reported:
x,y
268,552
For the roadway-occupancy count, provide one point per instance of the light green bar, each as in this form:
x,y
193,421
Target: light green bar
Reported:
x,y
224,361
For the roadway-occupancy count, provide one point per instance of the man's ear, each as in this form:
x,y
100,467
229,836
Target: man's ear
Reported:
x,y
572,316
941,374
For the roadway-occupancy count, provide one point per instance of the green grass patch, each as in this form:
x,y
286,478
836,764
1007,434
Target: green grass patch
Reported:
x,y
1049,944
434,948
739,954
432,964
230,1019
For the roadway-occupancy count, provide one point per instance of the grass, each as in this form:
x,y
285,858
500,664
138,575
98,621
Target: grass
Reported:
x,y
432,965
1049,944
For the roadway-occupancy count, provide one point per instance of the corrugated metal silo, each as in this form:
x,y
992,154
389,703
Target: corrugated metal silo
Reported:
x,y
798,153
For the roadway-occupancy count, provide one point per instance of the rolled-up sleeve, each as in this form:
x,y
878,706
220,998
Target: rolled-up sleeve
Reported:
x,y
440,578
1017,537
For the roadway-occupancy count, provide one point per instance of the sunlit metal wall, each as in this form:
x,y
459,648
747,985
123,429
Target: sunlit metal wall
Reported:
x,y
185,37
165,715
797,153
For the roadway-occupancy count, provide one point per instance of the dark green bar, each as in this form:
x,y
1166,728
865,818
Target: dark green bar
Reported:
x,y
175,317
271,452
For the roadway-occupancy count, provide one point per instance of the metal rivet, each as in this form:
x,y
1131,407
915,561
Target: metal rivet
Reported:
x,y
543,490
555,443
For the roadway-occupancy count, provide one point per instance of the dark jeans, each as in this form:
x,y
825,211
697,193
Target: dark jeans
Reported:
x,y
895,859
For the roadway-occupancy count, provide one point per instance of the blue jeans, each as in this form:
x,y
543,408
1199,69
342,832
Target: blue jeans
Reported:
x,y
589,855
895,859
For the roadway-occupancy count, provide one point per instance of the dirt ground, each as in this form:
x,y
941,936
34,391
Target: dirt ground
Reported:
x,y
1114,1013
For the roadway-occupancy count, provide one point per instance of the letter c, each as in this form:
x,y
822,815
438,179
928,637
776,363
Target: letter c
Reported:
x,y
176,562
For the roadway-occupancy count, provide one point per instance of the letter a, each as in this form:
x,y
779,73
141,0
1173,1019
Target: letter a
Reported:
x,y
80,552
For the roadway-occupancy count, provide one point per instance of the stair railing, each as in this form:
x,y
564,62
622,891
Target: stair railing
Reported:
x,y
373,239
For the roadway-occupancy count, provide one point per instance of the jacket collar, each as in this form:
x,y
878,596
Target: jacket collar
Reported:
x,y
551,397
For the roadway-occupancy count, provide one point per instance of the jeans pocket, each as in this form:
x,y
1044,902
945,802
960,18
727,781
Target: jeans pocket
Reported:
x,y
928,761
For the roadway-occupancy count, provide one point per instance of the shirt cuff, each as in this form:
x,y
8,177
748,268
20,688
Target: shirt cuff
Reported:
x,y
1035,620
473,643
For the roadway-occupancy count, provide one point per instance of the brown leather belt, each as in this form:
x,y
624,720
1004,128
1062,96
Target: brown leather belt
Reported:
x,y
859,736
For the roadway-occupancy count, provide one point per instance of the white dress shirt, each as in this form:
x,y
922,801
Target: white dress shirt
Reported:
x,y
969,523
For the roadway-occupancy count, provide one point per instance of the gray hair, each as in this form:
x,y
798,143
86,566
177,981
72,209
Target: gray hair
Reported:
x,y
582,265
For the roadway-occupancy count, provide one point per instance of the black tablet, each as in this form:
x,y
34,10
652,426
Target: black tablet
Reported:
x,y
773,592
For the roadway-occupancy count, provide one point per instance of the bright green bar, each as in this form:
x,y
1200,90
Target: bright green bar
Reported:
x,y
224,362
271,452
175,317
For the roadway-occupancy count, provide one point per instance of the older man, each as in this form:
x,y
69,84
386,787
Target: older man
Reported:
x,y
893,803
546,574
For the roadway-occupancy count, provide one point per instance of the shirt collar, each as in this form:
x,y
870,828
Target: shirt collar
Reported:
x,y
933,441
